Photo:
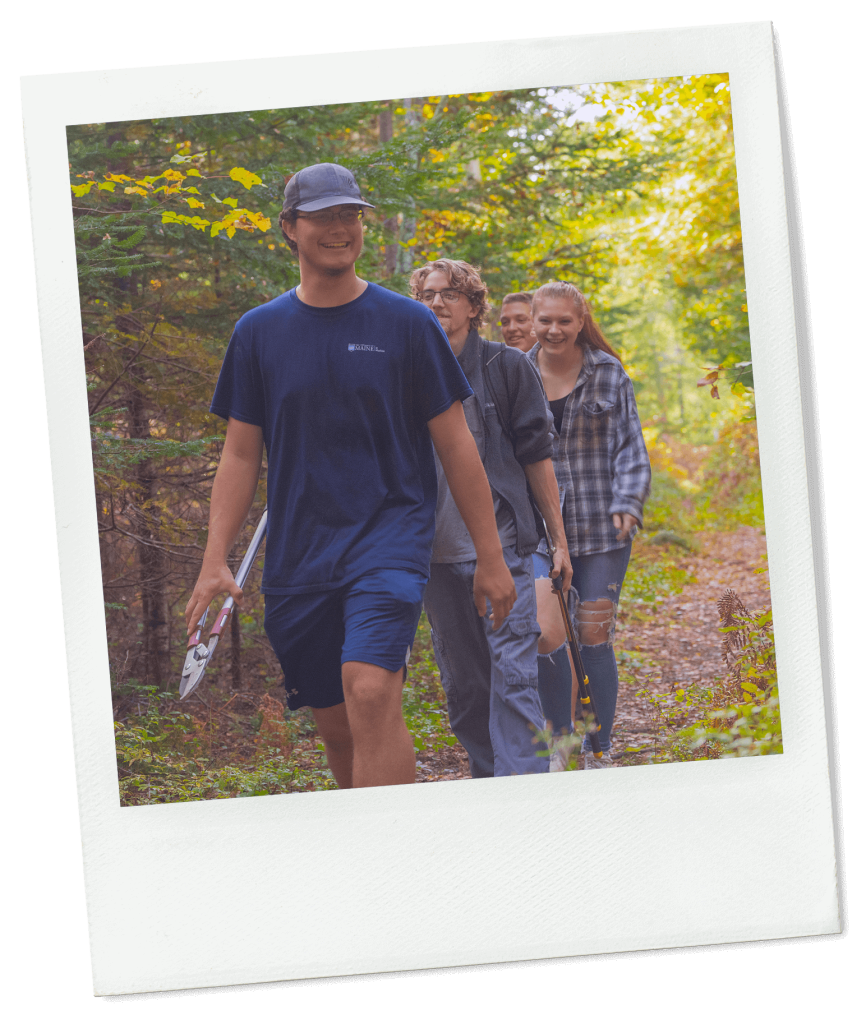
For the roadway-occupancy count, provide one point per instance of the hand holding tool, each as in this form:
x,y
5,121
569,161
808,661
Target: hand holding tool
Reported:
x,y
198,654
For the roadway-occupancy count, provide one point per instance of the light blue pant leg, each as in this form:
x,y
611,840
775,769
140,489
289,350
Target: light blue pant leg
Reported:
x,y
489,677
460,647
515,708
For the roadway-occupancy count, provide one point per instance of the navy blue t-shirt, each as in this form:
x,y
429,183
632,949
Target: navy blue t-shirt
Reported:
x,y
343,396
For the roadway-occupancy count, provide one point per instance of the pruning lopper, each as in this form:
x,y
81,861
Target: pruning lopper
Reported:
x,y
198,654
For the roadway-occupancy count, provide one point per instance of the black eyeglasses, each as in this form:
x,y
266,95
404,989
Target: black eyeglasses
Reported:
x,y
346,214
448,295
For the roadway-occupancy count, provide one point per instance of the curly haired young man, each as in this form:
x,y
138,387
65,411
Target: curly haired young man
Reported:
x,y
490,675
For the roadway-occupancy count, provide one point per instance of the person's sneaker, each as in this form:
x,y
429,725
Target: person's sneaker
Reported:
x,y
591,761
558,758
563,752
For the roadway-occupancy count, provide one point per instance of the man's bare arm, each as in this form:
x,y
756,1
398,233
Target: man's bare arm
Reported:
x,y
234,488
542,483
471,491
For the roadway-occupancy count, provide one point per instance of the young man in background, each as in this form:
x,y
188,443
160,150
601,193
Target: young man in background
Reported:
x,y
515,321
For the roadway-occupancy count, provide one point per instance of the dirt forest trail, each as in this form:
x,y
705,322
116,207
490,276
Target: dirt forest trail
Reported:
x,y
239,741
678,644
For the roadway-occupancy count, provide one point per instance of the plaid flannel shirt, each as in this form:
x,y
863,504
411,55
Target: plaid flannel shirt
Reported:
x,y
600,459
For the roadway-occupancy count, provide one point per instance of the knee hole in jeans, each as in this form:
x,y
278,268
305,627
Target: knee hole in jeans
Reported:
x,y
596,623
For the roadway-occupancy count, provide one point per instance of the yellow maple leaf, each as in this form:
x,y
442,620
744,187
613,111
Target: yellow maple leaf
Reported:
x,y
173,175
135,189
82,190
261,222
245,177
170,217
195,204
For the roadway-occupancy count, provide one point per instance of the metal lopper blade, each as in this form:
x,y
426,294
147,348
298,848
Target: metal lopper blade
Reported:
x,y
193,669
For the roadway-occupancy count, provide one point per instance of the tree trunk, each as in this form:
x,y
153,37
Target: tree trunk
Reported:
x,y
152,562
391,224
406,254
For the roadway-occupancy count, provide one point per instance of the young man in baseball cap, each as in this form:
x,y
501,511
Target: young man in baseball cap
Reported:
x,y
345,384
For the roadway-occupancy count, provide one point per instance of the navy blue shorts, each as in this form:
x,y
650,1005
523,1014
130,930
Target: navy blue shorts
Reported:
x,y
372,619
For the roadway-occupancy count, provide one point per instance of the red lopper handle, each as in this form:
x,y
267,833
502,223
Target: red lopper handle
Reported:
x,y
222,619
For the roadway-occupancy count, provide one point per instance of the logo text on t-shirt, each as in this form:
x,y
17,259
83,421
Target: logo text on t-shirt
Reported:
x,y
365,348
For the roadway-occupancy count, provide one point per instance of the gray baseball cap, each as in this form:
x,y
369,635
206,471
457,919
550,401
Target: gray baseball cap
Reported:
x,y
321,185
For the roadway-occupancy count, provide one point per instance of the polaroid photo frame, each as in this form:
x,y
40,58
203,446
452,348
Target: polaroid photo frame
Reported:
x,y
355,882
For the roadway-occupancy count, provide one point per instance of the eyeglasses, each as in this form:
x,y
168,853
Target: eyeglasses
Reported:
x,y
450,295
323,218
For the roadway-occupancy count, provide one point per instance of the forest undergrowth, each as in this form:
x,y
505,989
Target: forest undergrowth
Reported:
x,y
697,660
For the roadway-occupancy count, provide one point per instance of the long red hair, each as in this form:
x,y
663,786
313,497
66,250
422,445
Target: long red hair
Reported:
x,y
591,335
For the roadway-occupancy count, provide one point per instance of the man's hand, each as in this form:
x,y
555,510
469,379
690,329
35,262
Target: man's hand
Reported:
x,y
214,579
494,583
542,483
624,522
562,567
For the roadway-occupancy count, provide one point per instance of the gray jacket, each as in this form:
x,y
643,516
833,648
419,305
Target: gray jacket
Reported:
x,y
531,429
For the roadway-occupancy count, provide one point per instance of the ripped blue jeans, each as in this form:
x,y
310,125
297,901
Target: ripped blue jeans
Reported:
x,y
596,578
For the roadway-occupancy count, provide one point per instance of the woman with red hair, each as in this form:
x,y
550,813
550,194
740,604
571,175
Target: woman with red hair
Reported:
x,y
603,472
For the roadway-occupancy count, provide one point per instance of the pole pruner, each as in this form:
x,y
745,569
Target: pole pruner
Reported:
x,y
198,654
585,704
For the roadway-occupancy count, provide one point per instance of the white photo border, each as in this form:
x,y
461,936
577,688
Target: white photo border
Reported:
x,y
352,882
